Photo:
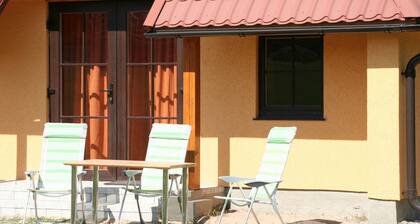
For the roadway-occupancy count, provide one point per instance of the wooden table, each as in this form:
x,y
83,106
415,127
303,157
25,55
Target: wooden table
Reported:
x,y
96,163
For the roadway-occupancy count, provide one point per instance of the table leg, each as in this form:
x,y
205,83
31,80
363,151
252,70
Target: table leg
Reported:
x,y
165,196
95,194
73,194
184,194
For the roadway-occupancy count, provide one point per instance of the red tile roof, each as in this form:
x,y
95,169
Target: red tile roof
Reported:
x,y
2,4
202,13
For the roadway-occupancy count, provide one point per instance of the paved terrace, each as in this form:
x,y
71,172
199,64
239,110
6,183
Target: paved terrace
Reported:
x,y
305,207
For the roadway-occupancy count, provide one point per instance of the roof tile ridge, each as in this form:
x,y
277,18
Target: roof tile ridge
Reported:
x,y
233,10
160,12
187,12
218,11
172,11
294,17
348,9
365,8
399,8
202,9
249,10
281,9
313,9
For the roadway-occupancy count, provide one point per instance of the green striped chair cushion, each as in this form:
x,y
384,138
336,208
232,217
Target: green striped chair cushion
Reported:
x,y
61,142
275,156
281,135
169,131
64,130
164,147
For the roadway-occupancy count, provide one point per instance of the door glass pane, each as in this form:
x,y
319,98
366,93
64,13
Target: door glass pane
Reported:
x,y
164,50
96,37
139,91
72,91
138,46
165,91
138,136
71,37
96,95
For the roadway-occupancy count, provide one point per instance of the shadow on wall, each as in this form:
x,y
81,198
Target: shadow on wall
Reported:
x,y
27,145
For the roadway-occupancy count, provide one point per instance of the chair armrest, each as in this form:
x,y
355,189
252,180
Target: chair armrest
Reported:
x,y
81,174
31,174
233,179
258,183
174,176
131,173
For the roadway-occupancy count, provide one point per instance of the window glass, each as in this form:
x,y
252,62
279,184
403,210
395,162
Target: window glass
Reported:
x,y
291,80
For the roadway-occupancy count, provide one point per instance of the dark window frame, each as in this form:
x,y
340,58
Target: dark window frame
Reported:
x,y
266,112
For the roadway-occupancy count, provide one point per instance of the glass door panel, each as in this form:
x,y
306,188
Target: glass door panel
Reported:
x,y
152,90
85,77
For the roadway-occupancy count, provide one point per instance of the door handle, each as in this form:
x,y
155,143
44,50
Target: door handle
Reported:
x,y
110,93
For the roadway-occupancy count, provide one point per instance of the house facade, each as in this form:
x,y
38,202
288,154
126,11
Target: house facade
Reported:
x,y
232,69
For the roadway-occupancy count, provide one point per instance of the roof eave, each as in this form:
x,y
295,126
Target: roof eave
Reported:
x,y
267,30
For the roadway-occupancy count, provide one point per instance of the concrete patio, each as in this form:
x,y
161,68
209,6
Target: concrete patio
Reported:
x,y
295,206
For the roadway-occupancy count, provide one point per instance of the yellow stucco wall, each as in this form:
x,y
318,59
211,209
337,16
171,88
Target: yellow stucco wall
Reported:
x,y
359,146
383,78
23,84
324,153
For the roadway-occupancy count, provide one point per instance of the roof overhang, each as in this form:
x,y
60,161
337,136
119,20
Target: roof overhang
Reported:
x,y
285,30
249,17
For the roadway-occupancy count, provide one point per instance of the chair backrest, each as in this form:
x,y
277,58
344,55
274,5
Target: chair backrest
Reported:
x,y
275,155
167,143
61,142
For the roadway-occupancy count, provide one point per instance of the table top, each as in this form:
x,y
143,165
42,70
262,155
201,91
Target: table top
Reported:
x,y
128,164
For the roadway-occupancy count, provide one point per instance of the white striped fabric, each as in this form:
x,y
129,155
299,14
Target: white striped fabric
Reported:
x,y
61,142
167,143
275,156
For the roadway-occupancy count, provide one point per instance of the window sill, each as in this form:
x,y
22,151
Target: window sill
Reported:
x,y
291,118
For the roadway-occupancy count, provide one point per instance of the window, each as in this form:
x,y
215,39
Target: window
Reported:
x,y
291,77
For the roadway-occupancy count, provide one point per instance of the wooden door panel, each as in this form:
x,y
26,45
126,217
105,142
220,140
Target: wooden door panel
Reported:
x,y
191,110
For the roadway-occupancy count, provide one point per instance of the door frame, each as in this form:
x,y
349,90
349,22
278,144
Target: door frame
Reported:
x,y
188,57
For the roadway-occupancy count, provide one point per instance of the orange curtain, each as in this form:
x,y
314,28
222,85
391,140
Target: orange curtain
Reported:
x,y
151,89
83,85
96,82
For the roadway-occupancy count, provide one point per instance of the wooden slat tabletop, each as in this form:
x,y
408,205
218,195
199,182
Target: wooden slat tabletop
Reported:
x,y
128,164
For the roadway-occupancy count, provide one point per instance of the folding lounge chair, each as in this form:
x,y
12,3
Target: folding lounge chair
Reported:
x,y
61,142
167,143
264,186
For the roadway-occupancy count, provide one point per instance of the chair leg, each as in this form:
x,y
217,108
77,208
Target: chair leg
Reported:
x,y
138,208
178,194
177,187
36,206
219,220
82,201
252,210
250,207
122,206
276,210
26,208
170,187
274,204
